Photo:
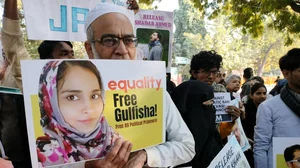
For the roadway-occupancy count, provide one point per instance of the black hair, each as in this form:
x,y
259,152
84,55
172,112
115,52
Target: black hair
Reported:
x,y
65,65
258,78
291,60
248,73
256,86
159,35
289,152
206,60
47,47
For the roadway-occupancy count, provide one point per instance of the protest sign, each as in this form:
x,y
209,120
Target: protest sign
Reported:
x,y
240,135
231,156
148,22
60,20
280,144
64,103
221,101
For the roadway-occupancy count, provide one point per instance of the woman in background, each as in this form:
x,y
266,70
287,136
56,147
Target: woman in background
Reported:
x,y
257,96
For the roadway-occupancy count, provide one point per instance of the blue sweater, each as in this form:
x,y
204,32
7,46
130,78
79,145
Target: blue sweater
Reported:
x,y
274,119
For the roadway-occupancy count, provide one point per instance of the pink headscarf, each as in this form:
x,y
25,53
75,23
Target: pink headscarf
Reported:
x,y
63,143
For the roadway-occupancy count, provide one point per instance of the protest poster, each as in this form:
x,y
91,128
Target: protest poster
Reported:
x,y
240,135
231,156
67,101
221,101
292,147
148,22
60,20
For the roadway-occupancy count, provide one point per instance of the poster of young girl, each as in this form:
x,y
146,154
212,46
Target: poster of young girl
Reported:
x,y
76,109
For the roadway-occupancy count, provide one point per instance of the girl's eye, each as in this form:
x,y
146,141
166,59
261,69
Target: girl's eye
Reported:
x,y
72,98
95,96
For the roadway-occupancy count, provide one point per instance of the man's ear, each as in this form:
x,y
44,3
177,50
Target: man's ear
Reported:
x,y
286,73
88,49
289,165
194,73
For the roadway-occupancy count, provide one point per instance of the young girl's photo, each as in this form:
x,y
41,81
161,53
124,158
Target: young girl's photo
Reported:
x,y
71,101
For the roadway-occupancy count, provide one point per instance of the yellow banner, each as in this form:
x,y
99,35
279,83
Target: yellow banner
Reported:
x,y
137,115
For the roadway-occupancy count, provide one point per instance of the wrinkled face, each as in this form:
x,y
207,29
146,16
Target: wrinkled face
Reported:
x,y
259,96
111,25
154,37
63,51
293,78
295,164
234,85
206,76
79,99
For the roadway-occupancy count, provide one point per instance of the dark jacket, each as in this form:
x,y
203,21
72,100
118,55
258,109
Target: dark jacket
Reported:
x,y
250,119
13,130
200,119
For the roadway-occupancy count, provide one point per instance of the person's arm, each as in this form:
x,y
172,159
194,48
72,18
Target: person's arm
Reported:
x,y
12,40
262,136
179,147
116,157
5,163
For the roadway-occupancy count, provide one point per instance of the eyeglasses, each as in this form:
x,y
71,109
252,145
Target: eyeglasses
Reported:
x,y
114,42
208,72
297,161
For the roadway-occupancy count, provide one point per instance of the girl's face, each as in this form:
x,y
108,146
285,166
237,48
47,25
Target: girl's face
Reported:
x,y
234,85
79,99
259,96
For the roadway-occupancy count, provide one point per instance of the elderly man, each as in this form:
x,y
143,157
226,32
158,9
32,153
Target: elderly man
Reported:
x,y
110,35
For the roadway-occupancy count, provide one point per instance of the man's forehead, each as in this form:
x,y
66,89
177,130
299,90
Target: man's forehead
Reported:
x,y
112,19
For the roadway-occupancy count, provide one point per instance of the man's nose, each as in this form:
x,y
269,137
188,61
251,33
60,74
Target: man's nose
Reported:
x,y
121,49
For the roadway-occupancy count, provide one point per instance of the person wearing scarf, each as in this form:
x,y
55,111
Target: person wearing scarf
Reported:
x,y
194,100
155,47
63,143
280,115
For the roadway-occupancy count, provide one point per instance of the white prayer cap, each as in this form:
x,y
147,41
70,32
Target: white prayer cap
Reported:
x,y
104,8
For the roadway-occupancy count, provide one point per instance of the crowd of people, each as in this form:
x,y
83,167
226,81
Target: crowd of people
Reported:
x,y
193,138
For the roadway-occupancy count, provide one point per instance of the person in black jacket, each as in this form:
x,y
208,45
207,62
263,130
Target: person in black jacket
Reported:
x,y
194,100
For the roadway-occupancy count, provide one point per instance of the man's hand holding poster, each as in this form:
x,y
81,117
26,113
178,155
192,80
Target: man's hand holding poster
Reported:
x,y
77,109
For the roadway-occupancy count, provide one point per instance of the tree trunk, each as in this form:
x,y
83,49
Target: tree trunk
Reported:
x,y
264,61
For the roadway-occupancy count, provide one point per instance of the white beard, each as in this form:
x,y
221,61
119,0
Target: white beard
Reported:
x,y
96,55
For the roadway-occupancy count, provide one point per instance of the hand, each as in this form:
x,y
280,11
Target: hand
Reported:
x,y
133,5
233,111
115,158
137,159
5,163
242,109
251,141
